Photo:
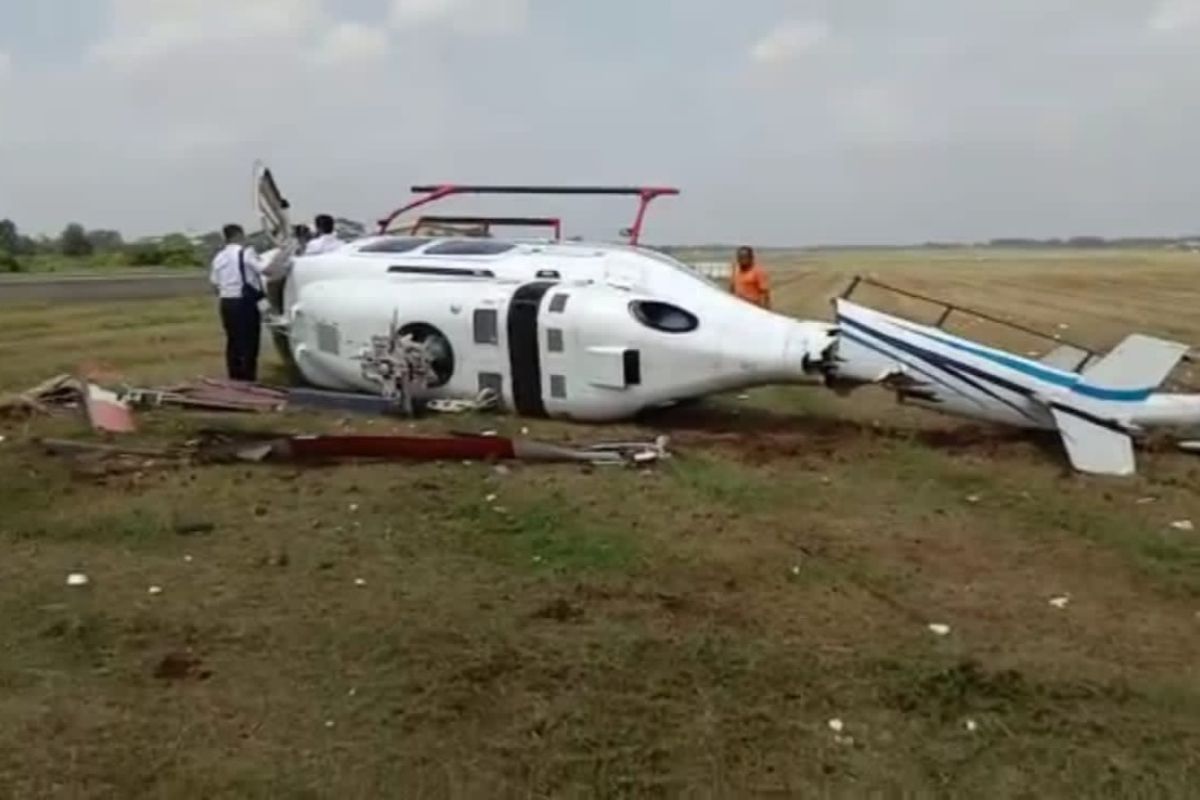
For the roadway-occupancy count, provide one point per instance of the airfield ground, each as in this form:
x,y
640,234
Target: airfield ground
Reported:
x,y
371,631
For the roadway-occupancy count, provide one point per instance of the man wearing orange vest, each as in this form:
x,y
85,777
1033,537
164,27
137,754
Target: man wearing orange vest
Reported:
x,y
749,280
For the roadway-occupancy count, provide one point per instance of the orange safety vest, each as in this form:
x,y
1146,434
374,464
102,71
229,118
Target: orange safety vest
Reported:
x,y
750,284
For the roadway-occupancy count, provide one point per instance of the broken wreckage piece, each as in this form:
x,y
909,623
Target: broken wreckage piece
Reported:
x,y
319,448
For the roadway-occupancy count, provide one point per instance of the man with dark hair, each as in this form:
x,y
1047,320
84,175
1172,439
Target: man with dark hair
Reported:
x,y
749,280
237,276
326,240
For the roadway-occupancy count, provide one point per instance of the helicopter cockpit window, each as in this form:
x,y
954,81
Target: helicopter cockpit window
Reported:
x,y
469,247
663,316
396,244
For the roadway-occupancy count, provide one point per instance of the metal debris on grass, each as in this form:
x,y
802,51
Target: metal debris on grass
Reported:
x,y
61,391
938,629
77,579
1060,602
106,411
1185,525
155,590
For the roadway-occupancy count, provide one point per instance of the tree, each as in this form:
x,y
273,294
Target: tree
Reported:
x,y
104,241
74,241
10,237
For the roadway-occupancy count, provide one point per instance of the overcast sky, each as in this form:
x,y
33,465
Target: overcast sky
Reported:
x,y
783,121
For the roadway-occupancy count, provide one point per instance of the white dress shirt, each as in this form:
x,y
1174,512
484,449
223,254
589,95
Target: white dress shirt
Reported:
x,y
325,243
226,274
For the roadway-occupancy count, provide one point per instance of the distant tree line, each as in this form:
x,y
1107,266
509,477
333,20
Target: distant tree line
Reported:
x,y
83,248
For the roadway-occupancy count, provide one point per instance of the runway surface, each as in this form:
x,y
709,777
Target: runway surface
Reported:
x,y
33,289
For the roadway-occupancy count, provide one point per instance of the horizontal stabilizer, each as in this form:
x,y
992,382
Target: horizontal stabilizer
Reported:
x,y
1065,357
1139,362
1094,448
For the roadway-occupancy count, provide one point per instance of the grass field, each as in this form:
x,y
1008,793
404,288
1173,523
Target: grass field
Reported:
x,y
388,631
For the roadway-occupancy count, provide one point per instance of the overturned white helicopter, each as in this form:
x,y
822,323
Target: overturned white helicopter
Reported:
x,y
598,332
1095,403
576,330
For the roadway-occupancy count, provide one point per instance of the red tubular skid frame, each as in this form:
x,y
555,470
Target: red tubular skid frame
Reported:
x,y
432,193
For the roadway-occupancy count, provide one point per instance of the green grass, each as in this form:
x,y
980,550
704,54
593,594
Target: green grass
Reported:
x,y
96,263
449,630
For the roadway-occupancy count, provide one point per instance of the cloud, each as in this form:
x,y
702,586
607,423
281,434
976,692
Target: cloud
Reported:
x,y
352,43
471,17
1173,16
5,65
789,40
141,32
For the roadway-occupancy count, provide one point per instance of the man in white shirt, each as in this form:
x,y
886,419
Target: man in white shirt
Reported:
x,y
325,240
237,276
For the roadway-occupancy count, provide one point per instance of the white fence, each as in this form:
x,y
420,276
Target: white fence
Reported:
x,y
716,271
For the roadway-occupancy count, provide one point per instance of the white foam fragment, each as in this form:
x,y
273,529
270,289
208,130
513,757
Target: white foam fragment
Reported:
x,y
77,579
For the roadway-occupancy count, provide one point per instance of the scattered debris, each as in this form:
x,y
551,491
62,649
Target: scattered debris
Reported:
x,y
743,397
155,590
359,582
210,394
973,499
72,447
2,439
1060,601
462,448
180,666
353,508
938,629
491,498
340,401
971,726
58,392
836,725
486,400
106,411
1145,501
77,579
796,570
1185,525
1190,446
187,559
329,723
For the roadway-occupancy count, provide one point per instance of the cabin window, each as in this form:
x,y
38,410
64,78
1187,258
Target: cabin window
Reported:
x,y
558,386
554,340
558,303
632,363
487,326
663,316
491,381
469,247
402,244
442,272
329,338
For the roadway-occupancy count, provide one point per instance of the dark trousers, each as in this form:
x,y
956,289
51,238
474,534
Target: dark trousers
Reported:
x,y
243,328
